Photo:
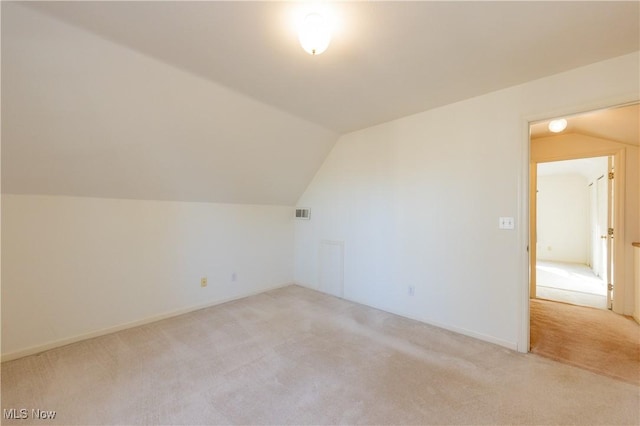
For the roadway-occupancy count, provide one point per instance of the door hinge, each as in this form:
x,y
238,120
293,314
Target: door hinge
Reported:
x,y
610,287
610,175
610,232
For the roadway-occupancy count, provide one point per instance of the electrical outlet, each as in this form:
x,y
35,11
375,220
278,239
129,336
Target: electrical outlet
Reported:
x,y
411,290
234,277
203,282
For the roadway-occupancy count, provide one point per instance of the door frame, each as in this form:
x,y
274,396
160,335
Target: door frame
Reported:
x,y
619,158
524,184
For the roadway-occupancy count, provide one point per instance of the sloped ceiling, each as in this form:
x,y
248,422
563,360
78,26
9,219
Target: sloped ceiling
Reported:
x,y
216,101
620,124
83,116
588,168
386,60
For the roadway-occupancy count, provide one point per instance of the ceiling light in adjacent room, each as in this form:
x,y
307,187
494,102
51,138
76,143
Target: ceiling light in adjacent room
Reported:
x,y
314,34
556,126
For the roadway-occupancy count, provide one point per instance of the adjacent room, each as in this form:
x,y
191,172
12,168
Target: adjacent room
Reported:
x,y
581,207
572,226
314,213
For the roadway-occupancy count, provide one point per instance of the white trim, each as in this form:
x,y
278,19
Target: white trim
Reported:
x,y
69,340
459,330
465,332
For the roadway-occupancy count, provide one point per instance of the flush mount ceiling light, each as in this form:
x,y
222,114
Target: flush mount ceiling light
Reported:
x,y
556,126
314,34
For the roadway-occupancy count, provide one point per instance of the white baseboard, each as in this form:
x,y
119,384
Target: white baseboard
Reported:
x,y
480,336
69,340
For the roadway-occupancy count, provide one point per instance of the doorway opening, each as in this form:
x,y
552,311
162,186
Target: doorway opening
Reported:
x,y
574,213
598,156
612,133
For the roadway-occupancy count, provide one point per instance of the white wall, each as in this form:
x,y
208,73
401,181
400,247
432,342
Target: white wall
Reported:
x,y
417,200
563,218
72,267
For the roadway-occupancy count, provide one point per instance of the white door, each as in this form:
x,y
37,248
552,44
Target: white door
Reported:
x,y
606,228
600,264
594,238
610,278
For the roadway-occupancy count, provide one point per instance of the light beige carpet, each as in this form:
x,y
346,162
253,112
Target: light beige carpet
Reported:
x,y
295,356
570,283
569,276
596,339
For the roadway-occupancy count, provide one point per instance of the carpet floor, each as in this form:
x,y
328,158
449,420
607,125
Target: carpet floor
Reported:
x,y
569,276
598,340
296,356
570,283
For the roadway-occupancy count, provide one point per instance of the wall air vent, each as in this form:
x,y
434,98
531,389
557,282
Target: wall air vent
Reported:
x,y
303,213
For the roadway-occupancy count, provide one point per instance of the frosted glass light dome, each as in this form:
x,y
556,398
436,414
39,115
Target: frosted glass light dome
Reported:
x,y
314,34
556,126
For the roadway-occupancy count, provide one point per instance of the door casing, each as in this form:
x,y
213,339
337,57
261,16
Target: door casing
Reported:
x,y
573,152
524,195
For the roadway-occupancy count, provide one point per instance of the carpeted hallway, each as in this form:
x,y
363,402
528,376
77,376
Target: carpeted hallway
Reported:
x,y
296,356
596,339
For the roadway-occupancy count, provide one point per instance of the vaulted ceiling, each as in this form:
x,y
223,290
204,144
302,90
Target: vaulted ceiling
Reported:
x,y
387,60
620,124
216,101
588,168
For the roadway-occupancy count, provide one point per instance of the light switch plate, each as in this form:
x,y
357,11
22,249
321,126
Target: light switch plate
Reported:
x,y
506,223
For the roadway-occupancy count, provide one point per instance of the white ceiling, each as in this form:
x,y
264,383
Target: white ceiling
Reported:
x,y
589,168
216,101
387,59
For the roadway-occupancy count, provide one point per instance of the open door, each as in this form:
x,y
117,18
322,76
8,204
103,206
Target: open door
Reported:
x,y
604,251
609,246
609,251
572,221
